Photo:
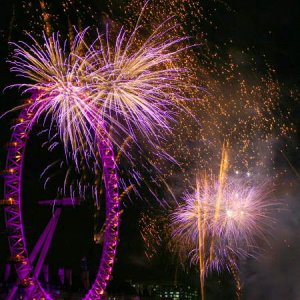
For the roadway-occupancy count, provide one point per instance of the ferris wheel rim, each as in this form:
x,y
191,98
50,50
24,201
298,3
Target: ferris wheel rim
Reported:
x,y
14,216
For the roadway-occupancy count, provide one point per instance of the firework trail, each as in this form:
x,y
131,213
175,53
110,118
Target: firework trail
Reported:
x,y
223,220
105,85
141,85
239,104
56,78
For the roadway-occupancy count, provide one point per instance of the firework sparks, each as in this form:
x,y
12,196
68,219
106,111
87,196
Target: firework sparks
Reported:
x,y
61,91
243,217
241,105
128,87
141,85
222,220
151,235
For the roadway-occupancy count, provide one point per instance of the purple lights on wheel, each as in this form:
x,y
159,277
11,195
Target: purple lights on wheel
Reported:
x,y
13,212
14,217
112,218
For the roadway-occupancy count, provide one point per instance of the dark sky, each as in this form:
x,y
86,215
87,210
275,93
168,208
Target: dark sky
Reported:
x,y
270,26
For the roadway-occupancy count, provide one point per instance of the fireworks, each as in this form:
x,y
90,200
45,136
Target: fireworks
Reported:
x,y
223,220
239,103
128,87
141,85
136,82
61,91
243,217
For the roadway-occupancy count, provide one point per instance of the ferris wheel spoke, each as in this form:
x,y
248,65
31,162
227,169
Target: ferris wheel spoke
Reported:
x,y
42,247
42,239
47,243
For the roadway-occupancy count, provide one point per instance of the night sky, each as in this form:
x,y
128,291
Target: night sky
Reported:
x,y
267,27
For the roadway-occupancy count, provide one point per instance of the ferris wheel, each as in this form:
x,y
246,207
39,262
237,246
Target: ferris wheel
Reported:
x,y
27,271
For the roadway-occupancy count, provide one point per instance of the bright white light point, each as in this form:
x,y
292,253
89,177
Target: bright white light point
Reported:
x,y
248,174
229,213
237,172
